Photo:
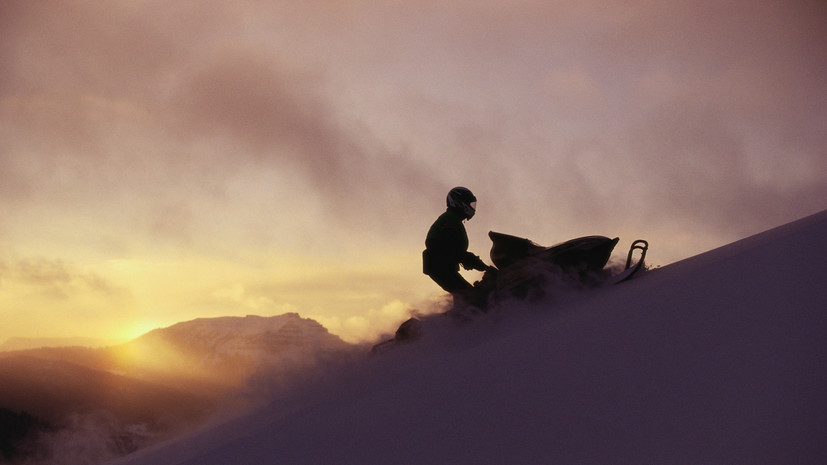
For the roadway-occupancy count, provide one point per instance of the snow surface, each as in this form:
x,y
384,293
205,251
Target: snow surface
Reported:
x,y
717,359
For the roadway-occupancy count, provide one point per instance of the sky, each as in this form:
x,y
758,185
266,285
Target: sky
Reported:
x,y
163,161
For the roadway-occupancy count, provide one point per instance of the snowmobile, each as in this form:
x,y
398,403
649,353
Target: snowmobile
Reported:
x,y
521,263
522,268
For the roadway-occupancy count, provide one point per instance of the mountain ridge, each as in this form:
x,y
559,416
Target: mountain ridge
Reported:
x,y
147,389
24,343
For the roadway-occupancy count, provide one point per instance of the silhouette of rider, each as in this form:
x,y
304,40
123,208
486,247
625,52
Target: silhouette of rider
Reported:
x,y
446,246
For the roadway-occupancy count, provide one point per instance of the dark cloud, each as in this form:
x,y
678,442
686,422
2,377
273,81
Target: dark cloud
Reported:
x,y
266,114
107,103
689,108
56,279
77,46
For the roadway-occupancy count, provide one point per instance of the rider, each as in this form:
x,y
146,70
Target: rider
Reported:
x,y
446,246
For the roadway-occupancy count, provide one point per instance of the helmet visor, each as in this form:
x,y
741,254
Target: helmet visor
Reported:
x,y
471,208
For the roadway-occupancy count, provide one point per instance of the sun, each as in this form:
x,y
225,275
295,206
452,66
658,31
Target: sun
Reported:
x,y
135,330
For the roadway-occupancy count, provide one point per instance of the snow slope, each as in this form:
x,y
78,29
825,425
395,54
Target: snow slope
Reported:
x,y
718,359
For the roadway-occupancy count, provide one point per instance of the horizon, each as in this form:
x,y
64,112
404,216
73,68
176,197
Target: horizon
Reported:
x,y
230,389
26,343
165,162
436,306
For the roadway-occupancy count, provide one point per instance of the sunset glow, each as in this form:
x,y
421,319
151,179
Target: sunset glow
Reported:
x,y
164,161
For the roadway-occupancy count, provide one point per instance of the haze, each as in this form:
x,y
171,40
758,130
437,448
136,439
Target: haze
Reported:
x,y
162,161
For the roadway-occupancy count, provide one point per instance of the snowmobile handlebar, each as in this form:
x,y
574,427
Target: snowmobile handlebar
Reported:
x,y
473,262
640,245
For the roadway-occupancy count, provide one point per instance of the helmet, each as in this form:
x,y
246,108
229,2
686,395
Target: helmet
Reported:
x,y
461,199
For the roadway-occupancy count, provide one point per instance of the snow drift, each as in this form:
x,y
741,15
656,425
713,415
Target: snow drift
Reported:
x,y
715,359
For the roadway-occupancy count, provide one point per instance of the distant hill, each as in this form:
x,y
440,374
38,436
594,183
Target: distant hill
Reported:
x,y
226,351
146,389
23,343
216,342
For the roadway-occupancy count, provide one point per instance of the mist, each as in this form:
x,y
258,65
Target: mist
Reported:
x,y
604,114
79,405
162,162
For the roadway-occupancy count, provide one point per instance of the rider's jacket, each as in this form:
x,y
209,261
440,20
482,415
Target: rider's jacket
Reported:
x,y
446,245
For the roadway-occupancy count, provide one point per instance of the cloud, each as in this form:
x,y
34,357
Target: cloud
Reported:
x,y
268,115
333,129
57,279
362,328
188,95
45,297
171,101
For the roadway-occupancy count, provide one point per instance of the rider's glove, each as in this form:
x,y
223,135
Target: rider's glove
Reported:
x,y
473,262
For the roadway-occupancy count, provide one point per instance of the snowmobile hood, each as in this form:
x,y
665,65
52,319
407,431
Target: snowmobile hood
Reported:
x,y
589,252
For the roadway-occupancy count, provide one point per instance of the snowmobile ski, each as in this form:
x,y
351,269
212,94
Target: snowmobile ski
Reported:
x,y
632,269
408,331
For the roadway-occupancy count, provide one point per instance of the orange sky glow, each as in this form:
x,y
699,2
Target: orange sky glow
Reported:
x,y
164,161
